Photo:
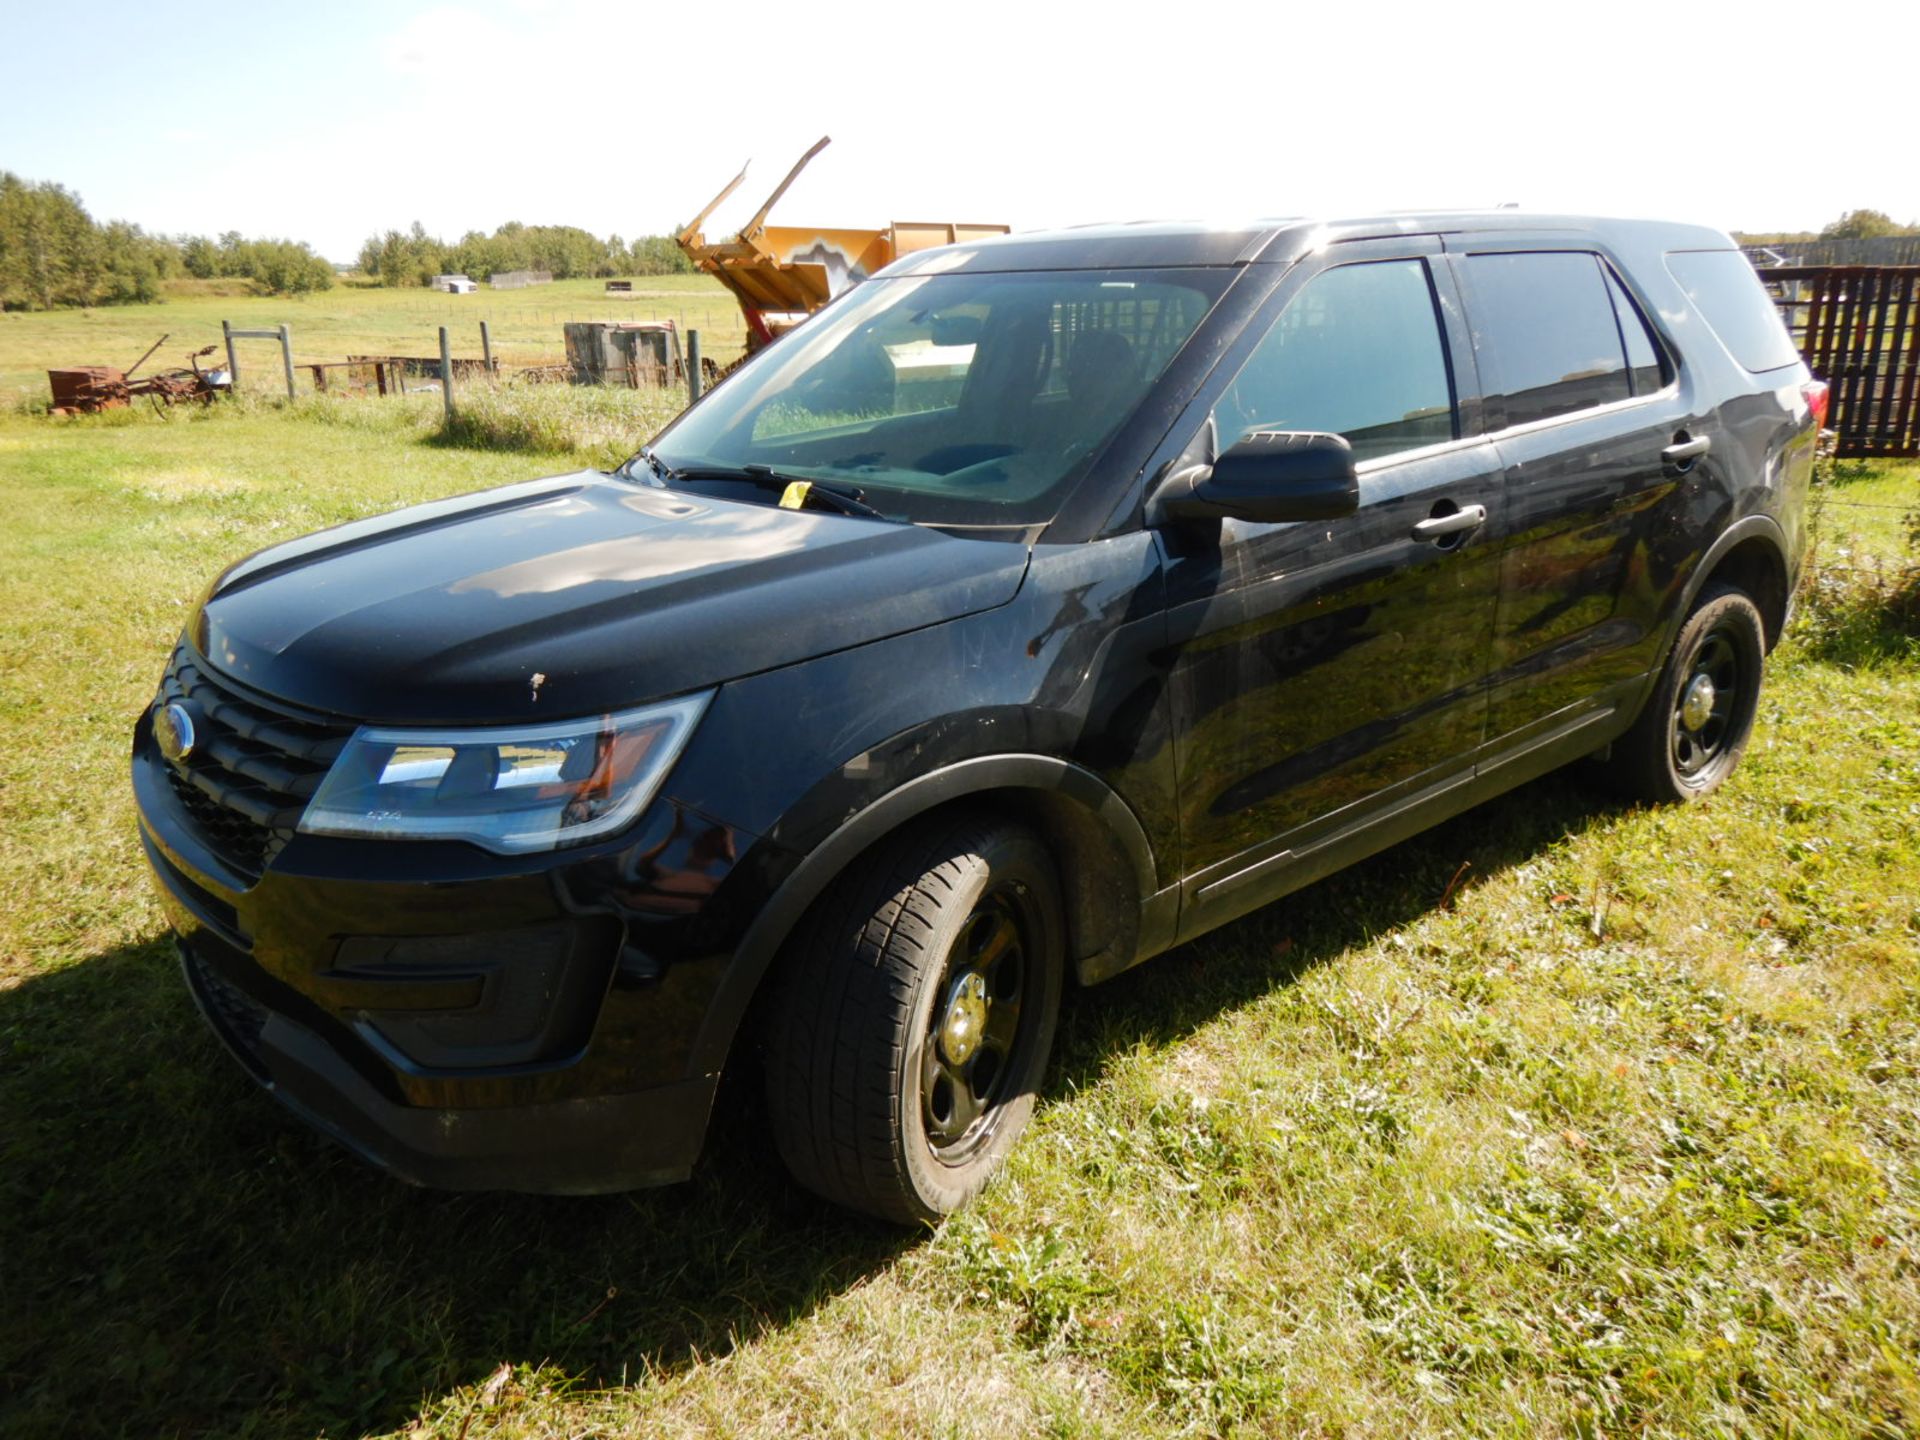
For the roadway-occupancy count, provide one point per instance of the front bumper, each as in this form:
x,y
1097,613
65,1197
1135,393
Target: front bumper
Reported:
x,y
462,1021
582,1146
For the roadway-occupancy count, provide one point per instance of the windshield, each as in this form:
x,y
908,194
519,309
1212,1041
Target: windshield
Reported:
x,y
951,399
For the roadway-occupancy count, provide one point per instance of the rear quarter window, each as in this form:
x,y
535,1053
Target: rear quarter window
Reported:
x,y
1728,295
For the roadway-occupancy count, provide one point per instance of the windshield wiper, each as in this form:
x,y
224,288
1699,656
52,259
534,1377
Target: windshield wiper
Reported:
x,y
846,501
644,456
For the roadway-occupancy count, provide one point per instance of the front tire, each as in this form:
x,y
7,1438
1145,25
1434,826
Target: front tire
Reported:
x,y
1696,723
910,1028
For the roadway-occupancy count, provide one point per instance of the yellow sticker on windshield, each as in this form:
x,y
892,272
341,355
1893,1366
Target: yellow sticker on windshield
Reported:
x,y
794,497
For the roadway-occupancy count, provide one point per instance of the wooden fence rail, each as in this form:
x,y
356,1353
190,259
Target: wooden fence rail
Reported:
x,y
1858,328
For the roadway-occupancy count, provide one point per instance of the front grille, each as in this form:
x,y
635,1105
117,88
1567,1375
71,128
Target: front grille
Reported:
x,y
231,835
253,768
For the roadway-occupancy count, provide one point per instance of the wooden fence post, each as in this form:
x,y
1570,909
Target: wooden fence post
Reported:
x,y
486,346
446,375
693,366
286,357
233,363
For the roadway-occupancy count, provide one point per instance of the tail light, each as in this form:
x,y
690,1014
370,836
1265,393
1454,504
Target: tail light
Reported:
x,y
1816,393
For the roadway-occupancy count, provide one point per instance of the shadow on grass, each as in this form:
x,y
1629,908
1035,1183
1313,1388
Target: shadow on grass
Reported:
x,y
1163,1000
177,1256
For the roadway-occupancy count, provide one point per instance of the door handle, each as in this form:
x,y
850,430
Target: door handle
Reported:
x,y
1685,452
1469,517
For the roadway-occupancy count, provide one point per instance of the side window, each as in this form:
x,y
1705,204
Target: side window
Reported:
x,y
1357,352
1643,356
1545,333
1723,287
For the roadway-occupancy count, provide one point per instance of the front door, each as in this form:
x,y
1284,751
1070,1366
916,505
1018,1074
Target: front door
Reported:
x,y
1326,668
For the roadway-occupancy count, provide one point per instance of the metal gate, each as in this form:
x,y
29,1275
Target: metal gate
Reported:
x,y
1858,328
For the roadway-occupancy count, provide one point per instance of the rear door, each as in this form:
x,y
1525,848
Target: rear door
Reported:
x,y
1592,434
1326,668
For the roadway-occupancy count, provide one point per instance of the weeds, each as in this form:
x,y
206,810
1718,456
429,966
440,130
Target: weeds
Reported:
x,y
595,425
601,424
1200,1365
1042,1279
1860,604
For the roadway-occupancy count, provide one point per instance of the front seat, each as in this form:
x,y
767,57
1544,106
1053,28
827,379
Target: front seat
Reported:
x,y
1008,369
1101,378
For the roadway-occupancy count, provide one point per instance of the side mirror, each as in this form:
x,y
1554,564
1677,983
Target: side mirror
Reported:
x,y
1269,477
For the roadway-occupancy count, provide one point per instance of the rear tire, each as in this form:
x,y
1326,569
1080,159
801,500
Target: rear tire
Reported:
x,y
910,1027
1695,725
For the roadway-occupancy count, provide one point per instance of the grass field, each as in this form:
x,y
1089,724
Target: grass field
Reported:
x,y
1562,1120
348,320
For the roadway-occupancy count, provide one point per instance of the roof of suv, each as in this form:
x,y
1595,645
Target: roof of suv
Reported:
x,y
1152,244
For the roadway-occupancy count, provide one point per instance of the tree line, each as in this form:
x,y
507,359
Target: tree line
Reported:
x,y
1866,225
1854,225
413,257
53,253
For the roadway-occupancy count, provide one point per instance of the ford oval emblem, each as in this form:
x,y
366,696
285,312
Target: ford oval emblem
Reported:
x,y
173,732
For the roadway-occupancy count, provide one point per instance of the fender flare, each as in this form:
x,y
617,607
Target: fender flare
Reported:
x,y
768,932
1752,527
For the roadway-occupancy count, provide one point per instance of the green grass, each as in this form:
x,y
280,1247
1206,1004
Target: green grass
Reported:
x,y
348,320
1614,1136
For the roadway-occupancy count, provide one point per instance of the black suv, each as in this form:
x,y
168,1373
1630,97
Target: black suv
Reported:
x,y
1039,605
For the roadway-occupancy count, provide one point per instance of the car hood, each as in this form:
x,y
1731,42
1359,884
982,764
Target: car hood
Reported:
x,y
574,595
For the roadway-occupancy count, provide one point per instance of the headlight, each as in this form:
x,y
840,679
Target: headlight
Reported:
x,y
530,787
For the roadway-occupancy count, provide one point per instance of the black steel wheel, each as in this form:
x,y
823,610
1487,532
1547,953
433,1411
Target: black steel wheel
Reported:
x,y
1705,705
909,1030
975,1033
1695,725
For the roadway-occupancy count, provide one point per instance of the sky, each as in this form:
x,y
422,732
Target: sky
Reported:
x,y
328,123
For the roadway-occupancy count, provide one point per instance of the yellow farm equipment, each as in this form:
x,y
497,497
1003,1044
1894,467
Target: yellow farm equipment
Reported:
x,y
781,274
